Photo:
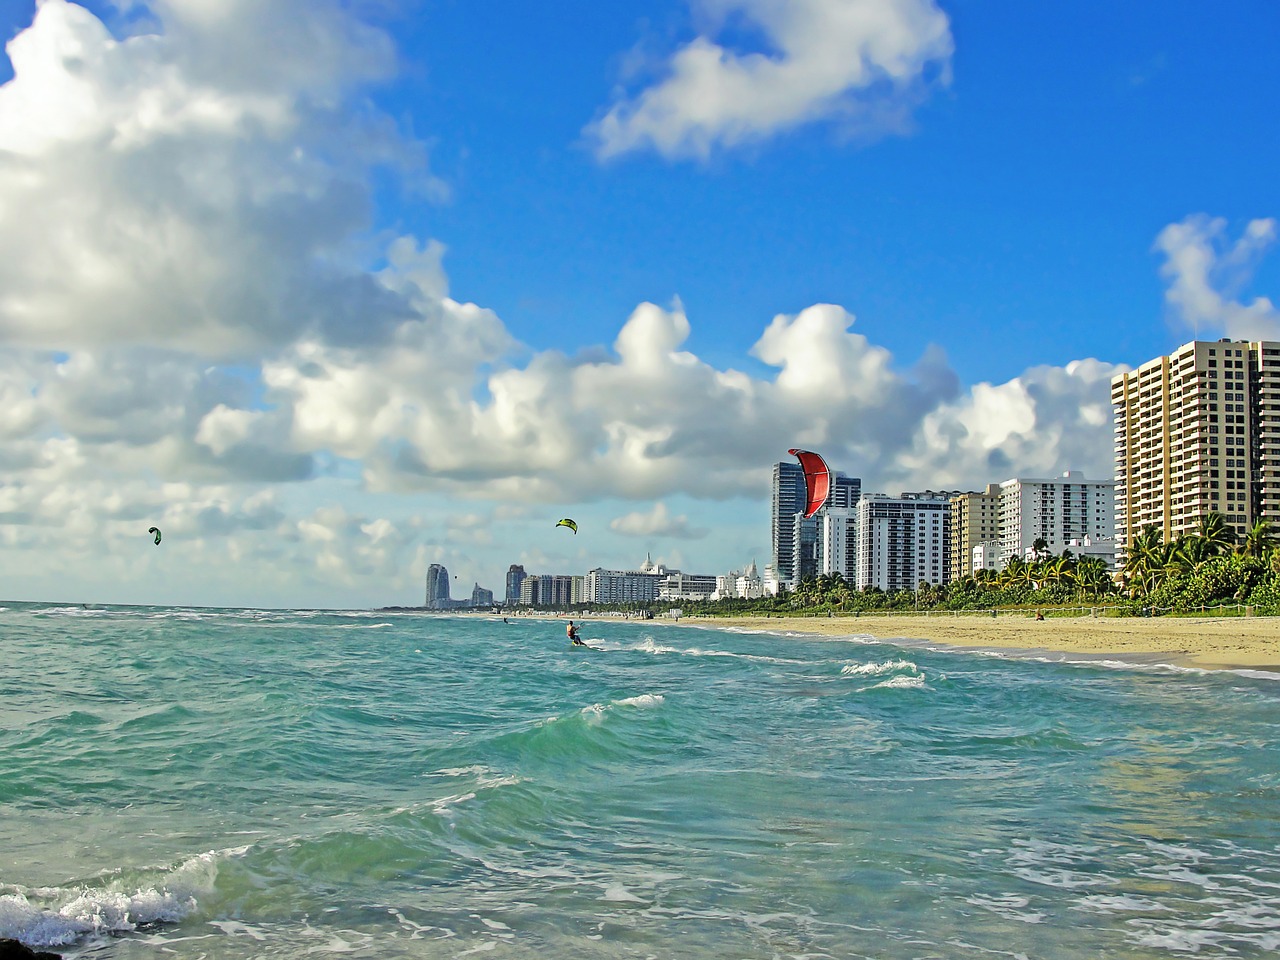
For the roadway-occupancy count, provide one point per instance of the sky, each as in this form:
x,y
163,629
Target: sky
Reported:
x,y
330,291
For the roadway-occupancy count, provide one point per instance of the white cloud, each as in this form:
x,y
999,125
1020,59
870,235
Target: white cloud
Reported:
x,y
1206,274
657,522
193,335
184,188
863,62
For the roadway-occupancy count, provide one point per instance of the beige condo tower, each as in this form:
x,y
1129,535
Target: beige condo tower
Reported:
x,y
1198,432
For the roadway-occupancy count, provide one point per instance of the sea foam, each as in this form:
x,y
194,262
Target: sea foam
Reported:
x,y
56,916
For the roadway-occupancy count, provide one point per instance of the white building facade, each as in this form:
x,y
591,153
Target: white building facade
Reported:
x,y
621,586
838,542
902,541
1056,510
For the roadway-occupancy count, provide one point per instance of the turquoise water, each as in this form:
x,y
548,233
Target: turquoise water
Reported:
x,y
180,783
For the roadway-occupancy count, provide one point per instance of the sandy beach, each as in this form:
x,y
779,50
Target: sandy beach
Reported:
x,y
1208,642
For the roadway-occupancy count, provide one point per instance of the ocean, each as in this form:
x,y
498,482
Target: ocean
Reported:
x,y
216,783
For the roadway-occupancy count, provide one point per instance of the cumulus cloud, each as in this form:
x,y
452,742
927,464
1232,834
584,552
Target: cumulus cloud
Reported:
x,y
1206,274
652,419
657,522
194,334
862,62
186,187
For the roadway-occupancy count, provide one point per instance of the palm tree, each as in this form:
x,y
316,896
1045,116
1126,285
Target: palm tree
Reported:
x,y
806,593
1194,550
1014,572
1092,576
1059,570
1140,558
1258,540
1215,532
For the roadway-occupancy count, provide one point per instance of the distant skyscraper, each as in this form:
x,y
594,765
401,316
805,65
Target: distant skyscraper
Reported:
x,y
515,577
797,542
788,500
437,586
480,597
845,491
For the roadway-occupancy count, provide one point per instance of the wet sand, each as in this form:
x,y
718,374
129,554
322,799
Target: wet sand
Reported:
x,y
1205,642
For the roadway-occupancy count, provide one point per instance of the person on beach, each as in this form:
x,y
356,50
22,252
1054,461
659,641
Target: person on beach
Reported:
x,y
572,633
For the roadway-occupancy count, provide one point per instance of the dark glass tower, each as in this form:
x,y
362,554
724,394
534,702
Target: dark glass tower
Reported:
x,y
437,586
788,500
515,577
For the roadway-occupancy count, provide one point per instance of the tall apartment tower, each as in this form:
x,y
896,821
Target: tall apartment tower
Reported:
x,y
1198,432
788,500
515,576
845,491
975,519
437,586
838,542
798,543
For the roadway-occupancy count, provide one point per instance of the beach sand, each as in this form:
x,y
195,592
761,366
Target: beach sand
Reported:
x,y
1205,642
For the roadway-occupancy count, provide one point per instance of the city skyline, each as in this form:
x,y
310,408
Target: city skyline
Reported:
x,y
329,292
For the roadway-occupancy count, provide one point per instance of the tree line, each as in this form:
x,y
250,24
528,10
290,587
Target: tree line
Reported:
x,y
1207,568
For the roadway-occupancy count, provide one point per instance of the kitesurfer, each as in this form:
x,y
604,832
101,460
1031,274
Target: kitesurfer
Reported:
x,y
572,633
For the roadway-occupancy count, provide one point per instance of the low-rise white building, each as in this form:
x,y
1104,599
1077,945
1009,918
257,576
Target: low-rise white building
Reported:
x,y
686,586
1104,548
987,556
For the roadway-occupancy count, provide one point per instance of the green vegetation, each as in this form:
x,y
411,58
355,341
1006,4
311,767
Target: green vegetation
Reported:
x,y
1202,572
1192,574
1197,573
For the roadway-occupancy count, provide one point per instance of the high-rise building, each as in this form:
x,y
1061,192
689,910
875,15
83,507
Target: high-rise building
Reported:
x,y
1198,432
788,501
515,576
551,590
437,587
480,597
902,541
845,491
975,519
622,586
797,542
1057,511
838,544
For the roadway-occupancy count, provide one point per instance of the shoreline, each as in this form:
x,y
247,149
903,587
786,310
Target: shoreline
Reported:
x,y
1206,643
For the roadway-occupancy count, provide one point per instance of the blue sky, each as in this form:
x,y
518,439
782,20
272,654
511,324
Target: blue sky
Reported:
x,y
339,290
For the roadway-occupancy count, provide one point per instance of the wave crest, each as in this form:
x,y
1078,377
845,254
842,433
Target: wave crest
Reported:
x,y
56,916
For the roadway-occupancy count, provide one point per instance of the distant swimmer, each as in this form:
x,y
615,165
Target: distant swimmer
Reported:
x,y
572,633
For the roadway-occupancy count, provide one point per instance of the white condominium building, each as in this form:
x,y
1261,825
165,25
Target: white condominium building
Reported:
x,y
838,542
902,541
1056,510
622,586
1198,432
